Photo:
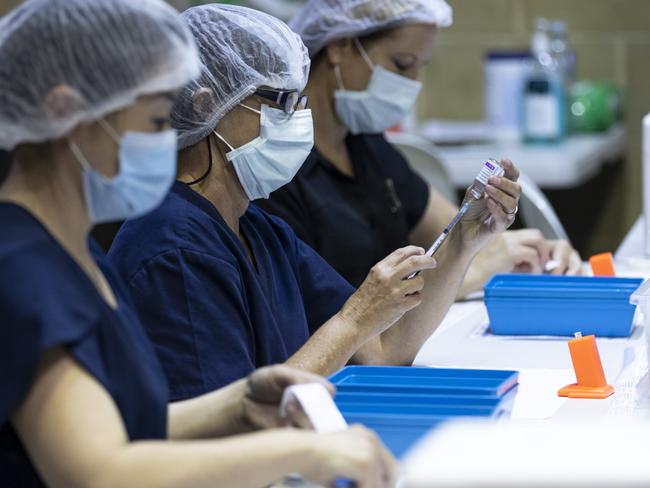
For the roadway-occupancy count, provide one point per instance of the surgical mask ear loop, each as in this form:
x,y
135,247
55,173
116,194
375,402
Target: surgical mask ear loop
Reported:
x,y
337,75
223,140
79,155
110,131
254,110
363,53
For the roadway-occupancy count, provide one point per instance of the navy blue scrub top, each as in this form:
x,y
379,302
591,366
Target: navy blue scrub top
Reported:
x,y
213,316
47,301
353,222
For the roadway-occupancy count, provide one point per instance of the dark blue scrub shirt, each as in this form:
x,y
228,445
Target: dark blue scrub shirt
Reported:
x,y
47,301
213,316
353,222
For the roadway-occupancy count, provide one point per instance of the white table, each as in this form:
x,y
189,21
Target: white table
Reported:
x,y
552,166
546,431
460,342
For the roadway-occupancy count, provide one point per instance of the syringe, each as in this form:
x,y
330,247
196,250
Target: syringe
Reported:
x,y
490,168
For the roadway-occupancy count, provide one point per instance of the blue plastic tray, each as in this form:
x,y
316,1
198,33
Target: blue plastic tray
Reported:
x,y
560,305
403,403
347,397
434,381
398,437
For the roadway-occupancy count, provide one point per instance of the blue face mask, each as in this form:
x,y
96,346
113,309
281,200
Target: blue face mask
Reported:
x,y
146,173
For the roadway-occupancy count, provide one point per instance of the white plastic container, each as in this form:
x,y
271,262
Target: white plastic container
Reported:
x,y
641,298
646,181
505,73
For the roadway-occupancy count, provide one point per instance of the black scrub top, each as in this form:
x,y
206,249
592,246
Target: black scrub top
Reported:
x,y
47,301
353,222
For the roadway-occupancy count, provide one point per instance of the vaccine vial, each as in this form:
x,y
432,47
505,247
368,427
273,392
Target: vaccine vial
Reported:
x,y
490,168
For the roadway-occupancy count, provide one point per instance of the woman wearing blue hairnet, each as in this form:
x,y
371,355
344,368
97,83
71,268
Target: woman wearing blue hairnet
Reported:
x,y
221,286
85,98
356,199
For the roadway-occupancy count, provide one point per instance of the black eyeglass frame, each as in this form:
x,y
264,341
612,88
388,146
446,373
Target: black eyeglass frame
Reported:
x,y
289,100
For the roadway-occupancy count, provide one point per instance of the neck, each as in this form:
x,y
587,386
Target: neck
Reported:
x,y
221,187
52,192
330,132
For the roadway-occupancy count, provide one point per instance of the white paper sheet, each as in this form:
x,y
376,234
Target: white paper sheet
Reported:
x,y
318,405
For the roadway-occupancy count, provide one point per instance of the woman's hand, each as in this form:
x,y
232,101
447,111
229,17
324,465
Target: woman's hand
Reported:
x,y
260,404
526,251
356,454
568,259
385,295
519,251
495,212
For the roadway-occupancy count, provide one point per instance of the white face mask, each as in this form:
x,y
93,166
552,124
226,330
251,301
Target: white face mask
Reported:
x,y
272,159
386,101
146,173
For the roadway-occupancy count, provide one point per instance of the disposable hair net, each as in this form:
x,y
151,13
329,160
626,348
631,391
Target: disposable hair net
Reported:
x,y
108,52
241,50
322,21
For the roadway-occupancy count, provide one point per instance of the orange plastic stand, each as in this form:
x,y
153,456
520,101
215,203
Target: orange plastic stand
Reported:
x,y
602,264
589,370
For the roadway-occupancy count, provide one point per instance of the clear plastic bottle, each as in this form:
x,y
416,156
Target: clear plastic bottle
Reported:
x,y
544,100
562,51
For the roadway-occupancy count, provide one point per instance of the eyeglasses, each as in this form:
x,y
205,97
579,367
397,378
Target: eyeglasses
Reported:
x,y
289,100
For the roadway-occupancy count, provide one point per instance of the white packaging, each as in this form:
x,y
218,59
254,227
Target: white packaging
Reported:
x,y
641,298
646,182
505,74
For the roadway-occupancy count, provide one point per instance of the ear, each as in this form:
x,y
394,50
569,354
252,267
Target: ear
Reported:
x,y
337,51
63,101
203,102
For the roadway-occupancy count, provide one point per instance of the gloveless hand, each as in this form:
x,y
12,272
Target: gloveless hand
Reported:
x,y
495,212
356,454
264,389
385,295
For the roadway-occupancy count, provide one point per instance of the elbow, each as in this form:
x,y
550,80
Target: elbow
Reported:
x,y
382,356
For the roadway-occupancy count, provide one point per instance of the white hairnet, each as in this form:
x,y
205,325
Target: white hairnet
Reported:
x,y
108,52
241,49
322,21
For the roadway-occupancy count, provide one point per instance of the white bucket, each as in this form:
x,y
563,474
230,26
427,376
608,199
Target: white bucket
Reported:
x,y
641,298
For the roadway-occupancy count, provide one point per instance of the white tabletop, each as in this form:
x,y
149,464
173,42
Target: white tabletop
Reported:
x,y
544,430
462,342
553,166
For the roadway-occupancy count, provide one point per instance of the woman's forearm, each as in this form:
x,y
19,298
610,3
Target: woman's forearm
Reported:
x,y
214,414
330,348
401,343
254,460
474,280
487,262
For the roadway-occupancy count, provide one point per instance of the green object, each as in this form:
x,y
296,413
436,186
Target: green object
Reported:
x,y
594,106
